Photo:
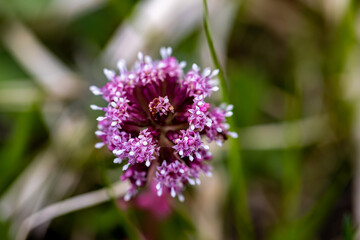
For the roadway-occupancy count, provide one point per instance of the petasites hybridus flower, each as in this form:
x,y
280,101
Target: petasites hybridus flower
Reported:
x,y
156,121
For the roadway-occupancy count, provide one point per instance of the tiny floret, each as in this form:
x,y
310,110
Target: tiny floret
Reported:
x,y
156,121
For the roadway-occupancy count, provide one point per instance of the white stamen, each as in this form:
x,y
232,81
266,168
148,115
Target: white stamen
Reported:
x,y
229,114
214,73
158,186
120,151
99,133
182,64
138,182
145,143
100,118
117,160
191,181
219,129
99,145
148,59
113,104
198,181
215,89
127,197
162,65
206,72
191,158
213,82
109,74
94,107
113,124
181,152
95,90
229,107
181,198
169,51
173,193
121,64
147,163
126,166
208,123
233,134
131,153
140,56
195,67
163,52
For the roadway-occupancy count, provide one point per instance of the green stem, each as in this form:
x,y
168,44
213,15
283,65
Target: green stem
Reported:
x,y
238,193
215,59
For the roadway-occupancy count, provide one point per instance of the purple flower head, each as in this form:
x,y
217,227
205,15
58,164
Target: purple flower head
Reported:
x,y
156,121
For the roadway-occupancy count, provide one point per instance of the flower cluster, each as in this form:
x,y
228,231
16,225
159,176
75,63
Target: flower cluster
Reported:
x,y
156,120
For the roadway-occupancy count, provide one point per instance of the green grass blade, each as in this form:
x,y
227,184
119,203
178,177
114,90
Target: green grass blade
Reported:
x,y
238,192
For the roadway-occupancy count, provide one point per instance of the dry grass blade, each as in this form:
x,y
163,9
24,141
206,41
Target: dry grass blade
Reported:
x,y
46,69
147,24
67,206
67,10
272,136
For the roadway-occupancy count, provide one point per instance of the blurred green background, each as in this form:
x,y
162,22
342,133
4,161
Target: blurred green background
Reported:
x,y
294,80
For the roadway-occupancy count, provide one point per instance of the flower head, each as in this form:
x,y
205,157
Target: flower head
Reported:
x,y
156,121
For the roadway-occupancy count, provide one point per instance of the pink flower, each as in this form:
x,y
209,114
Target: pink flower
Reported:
x,y
158,206
156,121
